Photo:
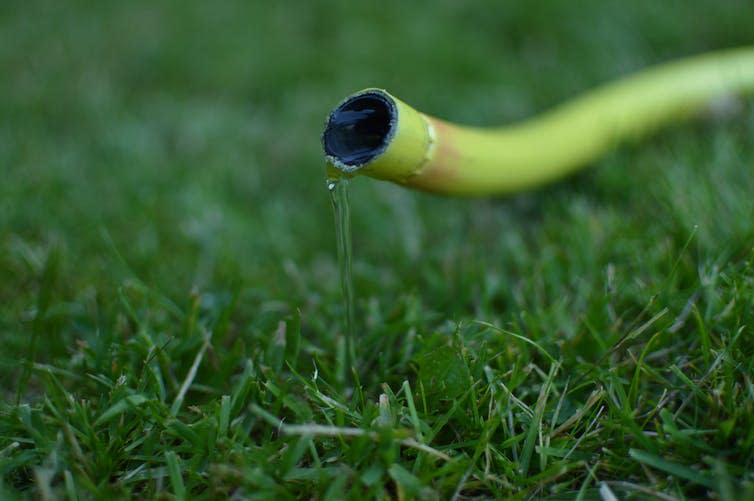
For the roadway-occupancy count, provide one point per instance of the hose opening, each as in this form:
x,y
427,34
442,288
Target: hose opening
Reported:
x,y
359,129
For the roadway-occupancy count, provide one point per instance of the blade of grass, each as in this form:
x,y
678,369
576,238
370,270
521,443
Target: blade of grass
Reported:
x,y
176,478
675,469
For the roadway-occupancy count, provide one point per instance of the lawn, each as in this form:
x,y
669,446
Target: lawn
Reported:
x,y
171,315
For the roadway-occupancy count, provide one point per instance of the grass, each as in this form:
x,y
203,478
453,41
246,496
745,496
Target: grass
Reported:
x,y
170,307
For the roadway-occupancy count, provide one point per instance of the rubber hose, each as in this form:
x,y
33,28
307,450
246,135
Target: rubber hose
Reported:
x,y
376,134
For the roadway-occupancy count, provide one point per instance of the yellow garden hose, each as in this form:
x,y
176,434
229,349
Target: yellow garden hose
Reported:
x,y
374,133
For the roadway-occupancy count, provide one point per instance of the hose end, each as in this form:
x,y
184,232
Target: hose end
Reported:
x,y
359,129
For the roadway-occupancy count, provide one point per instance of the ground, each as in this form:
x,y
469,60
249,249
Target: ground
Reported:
x,y
170,305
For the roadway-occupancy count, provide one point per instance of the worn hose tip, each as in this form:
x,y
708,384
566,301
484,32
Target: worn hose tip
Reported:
x,y
359,129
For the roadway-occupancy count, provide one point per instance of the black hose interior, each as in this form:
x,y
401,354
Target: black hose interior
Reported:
x,y
359,129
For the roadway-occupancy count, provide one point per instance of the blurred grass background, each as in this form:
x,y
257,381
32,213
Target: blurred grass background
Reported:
x,y
151,149
189,132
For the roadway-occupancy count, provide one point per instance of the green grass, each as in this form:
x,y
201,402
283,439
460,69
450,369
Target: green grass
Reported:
x,y
170,310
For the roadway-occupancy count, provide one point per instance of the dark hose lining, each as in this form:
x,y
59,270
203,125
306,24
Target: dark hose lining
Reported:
x,y
359,129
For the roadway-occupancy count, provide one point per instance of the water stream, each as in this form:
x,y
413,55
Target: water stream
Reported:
x,y
338,189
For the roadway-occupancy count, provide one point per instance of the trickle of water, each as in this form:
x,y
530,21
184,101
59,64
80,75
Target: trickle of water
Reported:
x,y
338,189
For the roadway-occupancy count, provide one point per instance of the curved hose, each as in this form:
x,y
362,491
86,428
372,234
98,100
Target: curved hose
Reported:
x,y
374,133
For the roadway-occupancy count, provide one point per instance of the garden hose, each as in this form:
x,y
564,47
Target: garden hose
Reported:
x,y
376,134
